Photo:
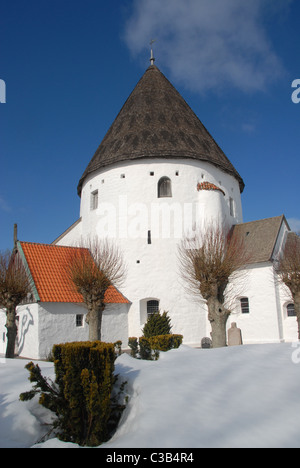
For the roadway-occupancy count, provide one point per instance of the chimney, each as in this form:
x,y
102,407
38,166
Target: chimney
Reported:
x,y
15,235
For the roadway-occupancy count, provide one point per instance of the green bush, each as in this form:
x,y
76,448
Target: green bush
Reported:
x,y
165,342
81,394
148,348
134,346
157,324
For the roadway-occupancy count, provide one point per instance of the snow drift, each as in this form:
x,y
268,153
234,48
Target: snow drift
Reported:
x,y
246,396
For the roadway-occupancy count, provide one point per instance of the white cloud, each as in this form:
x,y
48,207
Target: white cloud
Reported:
x,y
208,44
294,224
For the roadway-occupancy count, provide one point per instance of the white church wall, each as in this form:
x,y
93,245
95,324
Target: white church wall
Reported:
x,y
72,235
115,324
263,323
57,324
28,326
149,229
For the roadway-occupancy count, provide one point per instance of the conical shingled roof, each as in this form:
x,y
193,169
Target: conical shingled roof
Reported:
x,y
156,122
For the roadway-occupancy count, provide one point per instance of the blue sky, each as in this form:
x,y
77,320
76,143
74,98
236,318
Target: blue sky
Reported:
x,y
69,66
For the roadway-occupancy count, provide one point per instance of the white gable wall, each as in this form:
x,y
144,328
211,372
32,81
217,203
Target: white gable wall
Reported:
x,y
267,321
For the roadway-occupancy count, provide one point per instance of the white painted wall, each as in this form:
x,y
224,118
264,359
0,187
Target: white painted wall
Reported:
x,y
42,325
267,321
129,207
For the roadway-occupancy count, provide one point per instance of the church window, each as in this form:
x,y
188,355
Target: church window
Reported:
x,y
290,308
231,207
152,307
245,305
79,320
164,187
94,200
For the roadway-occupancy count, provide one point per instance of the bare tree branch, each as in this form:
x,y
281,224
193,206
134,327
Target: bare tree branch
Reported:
x,y
93,268
14,287
208,261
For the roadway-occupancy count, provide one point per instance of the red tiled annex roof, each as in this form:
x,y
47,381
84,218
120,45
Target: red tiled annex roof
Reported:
x,y
208,186
47,267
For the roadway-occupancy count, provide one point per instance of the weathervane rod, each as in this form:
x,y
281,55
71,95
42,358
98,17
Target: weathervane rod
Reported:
x,y
152,59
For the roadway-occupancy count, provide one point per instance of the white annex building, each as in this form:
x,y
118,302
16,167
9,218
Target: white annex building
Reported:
x,y
156,175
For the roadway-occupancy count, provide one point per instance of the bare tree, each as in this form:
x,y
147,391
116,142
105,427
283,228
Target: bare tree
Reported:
x,y
289,270
93,268
14,287
208,262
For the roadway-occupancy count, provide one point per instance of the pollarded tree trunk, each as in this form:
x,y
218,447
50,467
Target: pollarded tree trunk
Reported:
x,y
218,316
94,318
12,331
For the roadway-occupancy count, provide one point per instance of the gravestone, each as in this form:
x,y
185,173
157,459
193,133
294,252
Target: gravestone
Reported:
x,y
234,335
206,343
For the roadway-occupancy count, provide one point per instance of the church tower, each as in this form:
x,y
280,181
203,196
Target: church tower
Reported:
x,y
156,175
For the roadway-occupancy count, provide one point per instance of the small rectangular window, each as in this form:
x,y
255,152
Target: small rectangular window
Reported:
x,y
122,176
231,207
245,305
79,320
291,310
149,237
94,200
152,173
177,173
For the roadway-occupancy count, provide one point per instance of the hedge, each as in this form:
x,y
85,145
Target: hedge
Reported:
x,y
148,348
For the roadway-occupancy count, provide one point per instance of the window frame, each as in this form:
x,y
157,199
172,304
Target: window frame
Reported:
x,y
94,200
154,305
164,192
245,305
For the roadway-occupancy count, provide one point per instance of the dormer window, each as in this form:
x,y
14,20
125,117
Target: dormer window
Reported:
x,y
164,188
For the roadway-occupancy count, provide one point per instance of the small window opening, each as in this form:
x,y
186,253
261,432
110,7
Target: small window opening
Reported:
x,y
149,237
152,173
152,307
94,200
79,320
245,305
231,207
122,176
177,173
290,308
164,187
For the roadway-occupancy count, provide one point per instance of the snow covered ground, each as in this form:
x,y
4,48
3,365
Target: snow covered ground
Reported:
x,y
245,396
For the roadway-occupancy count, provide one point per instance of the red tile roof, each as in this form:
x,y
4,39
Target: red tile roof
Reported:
x,y
47,265
209,186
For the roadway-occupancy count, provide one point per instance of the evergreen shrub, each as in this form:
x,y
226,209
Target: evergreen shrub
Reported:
x,y
157,324
148,348
81,394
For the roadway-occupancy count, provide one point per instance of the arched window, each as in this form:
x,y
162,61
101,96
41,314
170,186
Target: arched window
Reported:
x,y
290,308
152,307
245,309
164,187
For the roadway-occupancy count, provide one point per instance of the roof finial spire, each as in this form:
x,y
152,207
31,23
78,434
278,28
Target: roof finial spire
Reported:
x,y
152,59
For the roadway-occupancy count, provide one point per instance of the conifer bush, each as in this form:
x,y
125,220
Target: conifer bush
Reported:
x,y
157,324
80,397
149,348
